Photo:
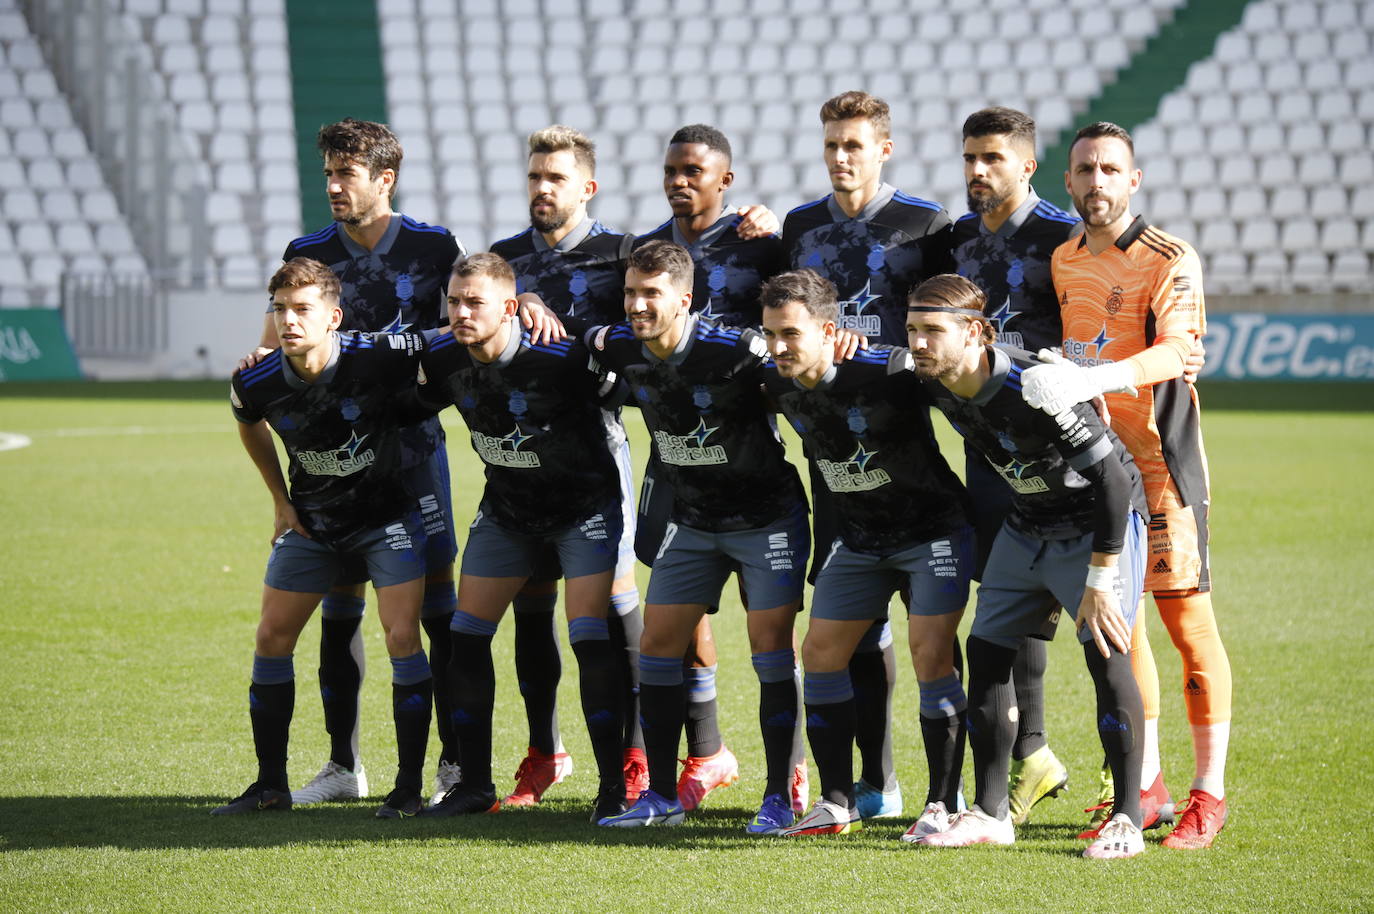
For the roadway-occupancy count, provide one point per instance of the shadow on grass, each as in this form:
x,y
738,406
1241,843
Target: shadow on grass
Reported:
x,y
145,823
1287,397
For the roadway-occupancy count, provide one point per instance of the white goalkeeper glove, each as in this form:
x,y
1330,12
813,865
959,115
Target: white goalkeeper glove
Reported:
x,y
1057,384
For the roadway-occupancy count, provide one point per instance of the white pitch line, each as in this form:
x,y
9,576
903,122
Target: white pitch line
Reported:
x,y
112,430
13,441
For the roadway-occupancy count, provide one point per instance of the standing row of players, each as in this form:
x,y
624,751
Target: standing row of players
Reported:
x,y
874,243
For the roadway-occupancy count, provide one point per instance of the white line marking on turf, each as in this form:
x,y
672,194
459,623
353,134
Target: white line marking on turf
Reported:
x,y
12,441
116,430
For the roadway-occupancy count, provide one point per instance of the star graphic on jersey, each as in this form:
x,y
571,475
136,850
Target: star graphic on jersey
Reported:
x,y
1101,340
1016,468
863,299
1002,315
516,438
352,445
398,324
701,432
861,456
709,312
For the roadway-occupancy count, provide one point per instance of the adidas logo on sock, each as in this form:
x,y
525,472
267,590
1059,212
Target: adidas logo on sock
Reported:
x,y
1109,723
1160,567
1192,688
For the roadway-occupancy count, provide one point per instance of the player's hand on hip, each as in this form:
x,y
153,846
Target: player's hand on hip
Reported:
x,y
253,358
1192,365
1100,612
758,221
536,317
287,519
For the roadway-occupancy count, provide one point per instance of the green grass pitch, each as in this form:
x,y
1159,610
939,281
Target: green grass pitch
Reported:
x,y
133,533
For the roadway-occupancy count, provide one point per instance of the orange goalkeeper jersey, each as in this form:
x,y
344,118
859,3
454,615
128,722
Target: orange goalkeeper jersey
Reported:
x,y
1141,299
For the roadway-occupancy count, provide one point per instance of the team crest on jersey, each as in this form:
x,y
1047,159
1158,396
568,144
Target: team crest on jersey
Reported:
x,y
349,410
1088,352
577,288
1115,300
517,404
405,289
1016,273
853,316
690,450
505,451
701,397
853,475
856,421
345,460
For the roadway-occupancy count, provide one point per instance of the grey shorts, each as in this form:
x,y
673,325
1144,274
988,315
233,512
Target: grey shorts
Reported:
x,y
388,555
853,586
547,566
691,566
585,548
1027,579
430,483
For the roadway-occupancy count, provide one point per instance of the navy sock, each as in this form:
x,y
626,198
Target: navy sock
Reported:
x,y
412,695
943,713
873,671
777,715
538,666
601,697
662,696
703,723
472,685
626,626
991,730
341,674
830,730
1028,676
271,701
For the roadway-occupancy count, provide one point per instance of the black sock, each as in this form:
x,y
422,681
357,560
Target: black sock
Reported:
x,y
269,709
410,704
943,717
662,700
341,676
703,722
626,630
440,650
538,667
1120,715
830,730
472,686
1028,675
990,728
601,703
778,723
873,673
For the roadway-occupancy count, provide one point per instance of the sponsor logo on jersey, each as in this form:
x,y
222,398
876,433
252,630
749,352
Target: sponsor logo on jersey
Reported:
x,y
1089,352
397,537
1015,475
1076,431
780,552
853,475
505,451
345,460
690,450
594,528
853,316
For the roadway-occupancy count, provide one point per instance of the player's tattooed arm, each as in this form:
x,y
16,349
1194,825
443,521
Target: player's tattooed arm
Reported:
x,y
758,221
257,441
539,319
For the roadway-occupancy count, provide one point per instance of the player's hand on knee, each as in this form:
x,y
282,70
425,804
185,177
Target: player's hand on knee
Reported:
x,y
536,317
758,221
253,358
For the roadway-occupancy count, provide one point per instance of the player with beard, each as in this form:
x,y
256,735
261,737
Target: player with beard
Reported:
x,y
737,505
392,270
1074,538
874,243
1132,304
551,483
901,519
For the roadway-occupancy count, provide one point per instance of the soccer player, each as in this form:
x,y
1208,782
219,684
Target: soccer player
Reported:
x,y
901,521
737,503
1003,244
874,243
1132,303
533,414
1074,538
331,396
729,269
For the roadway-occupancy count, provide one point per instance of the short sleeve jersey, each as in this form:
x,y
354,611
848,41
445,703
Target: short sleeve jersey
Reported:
x,y
340,431
868,435
1012,267
534,421
399,285
582,276
705,409
1144,288
729,270
874,259
1038,455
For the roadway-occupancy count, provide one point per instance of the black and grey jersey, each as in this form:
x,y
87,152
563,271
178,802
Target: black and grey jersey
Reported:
x,y
868,435
874,259
398,285
1012,267
1044,459
729,270
710,423
581,276
341,432
534,422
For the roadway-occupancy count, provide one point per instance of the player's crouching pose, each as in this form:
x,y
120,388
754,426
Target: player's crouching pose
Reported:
x,y
1074,538
533,414
332,399
900,519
